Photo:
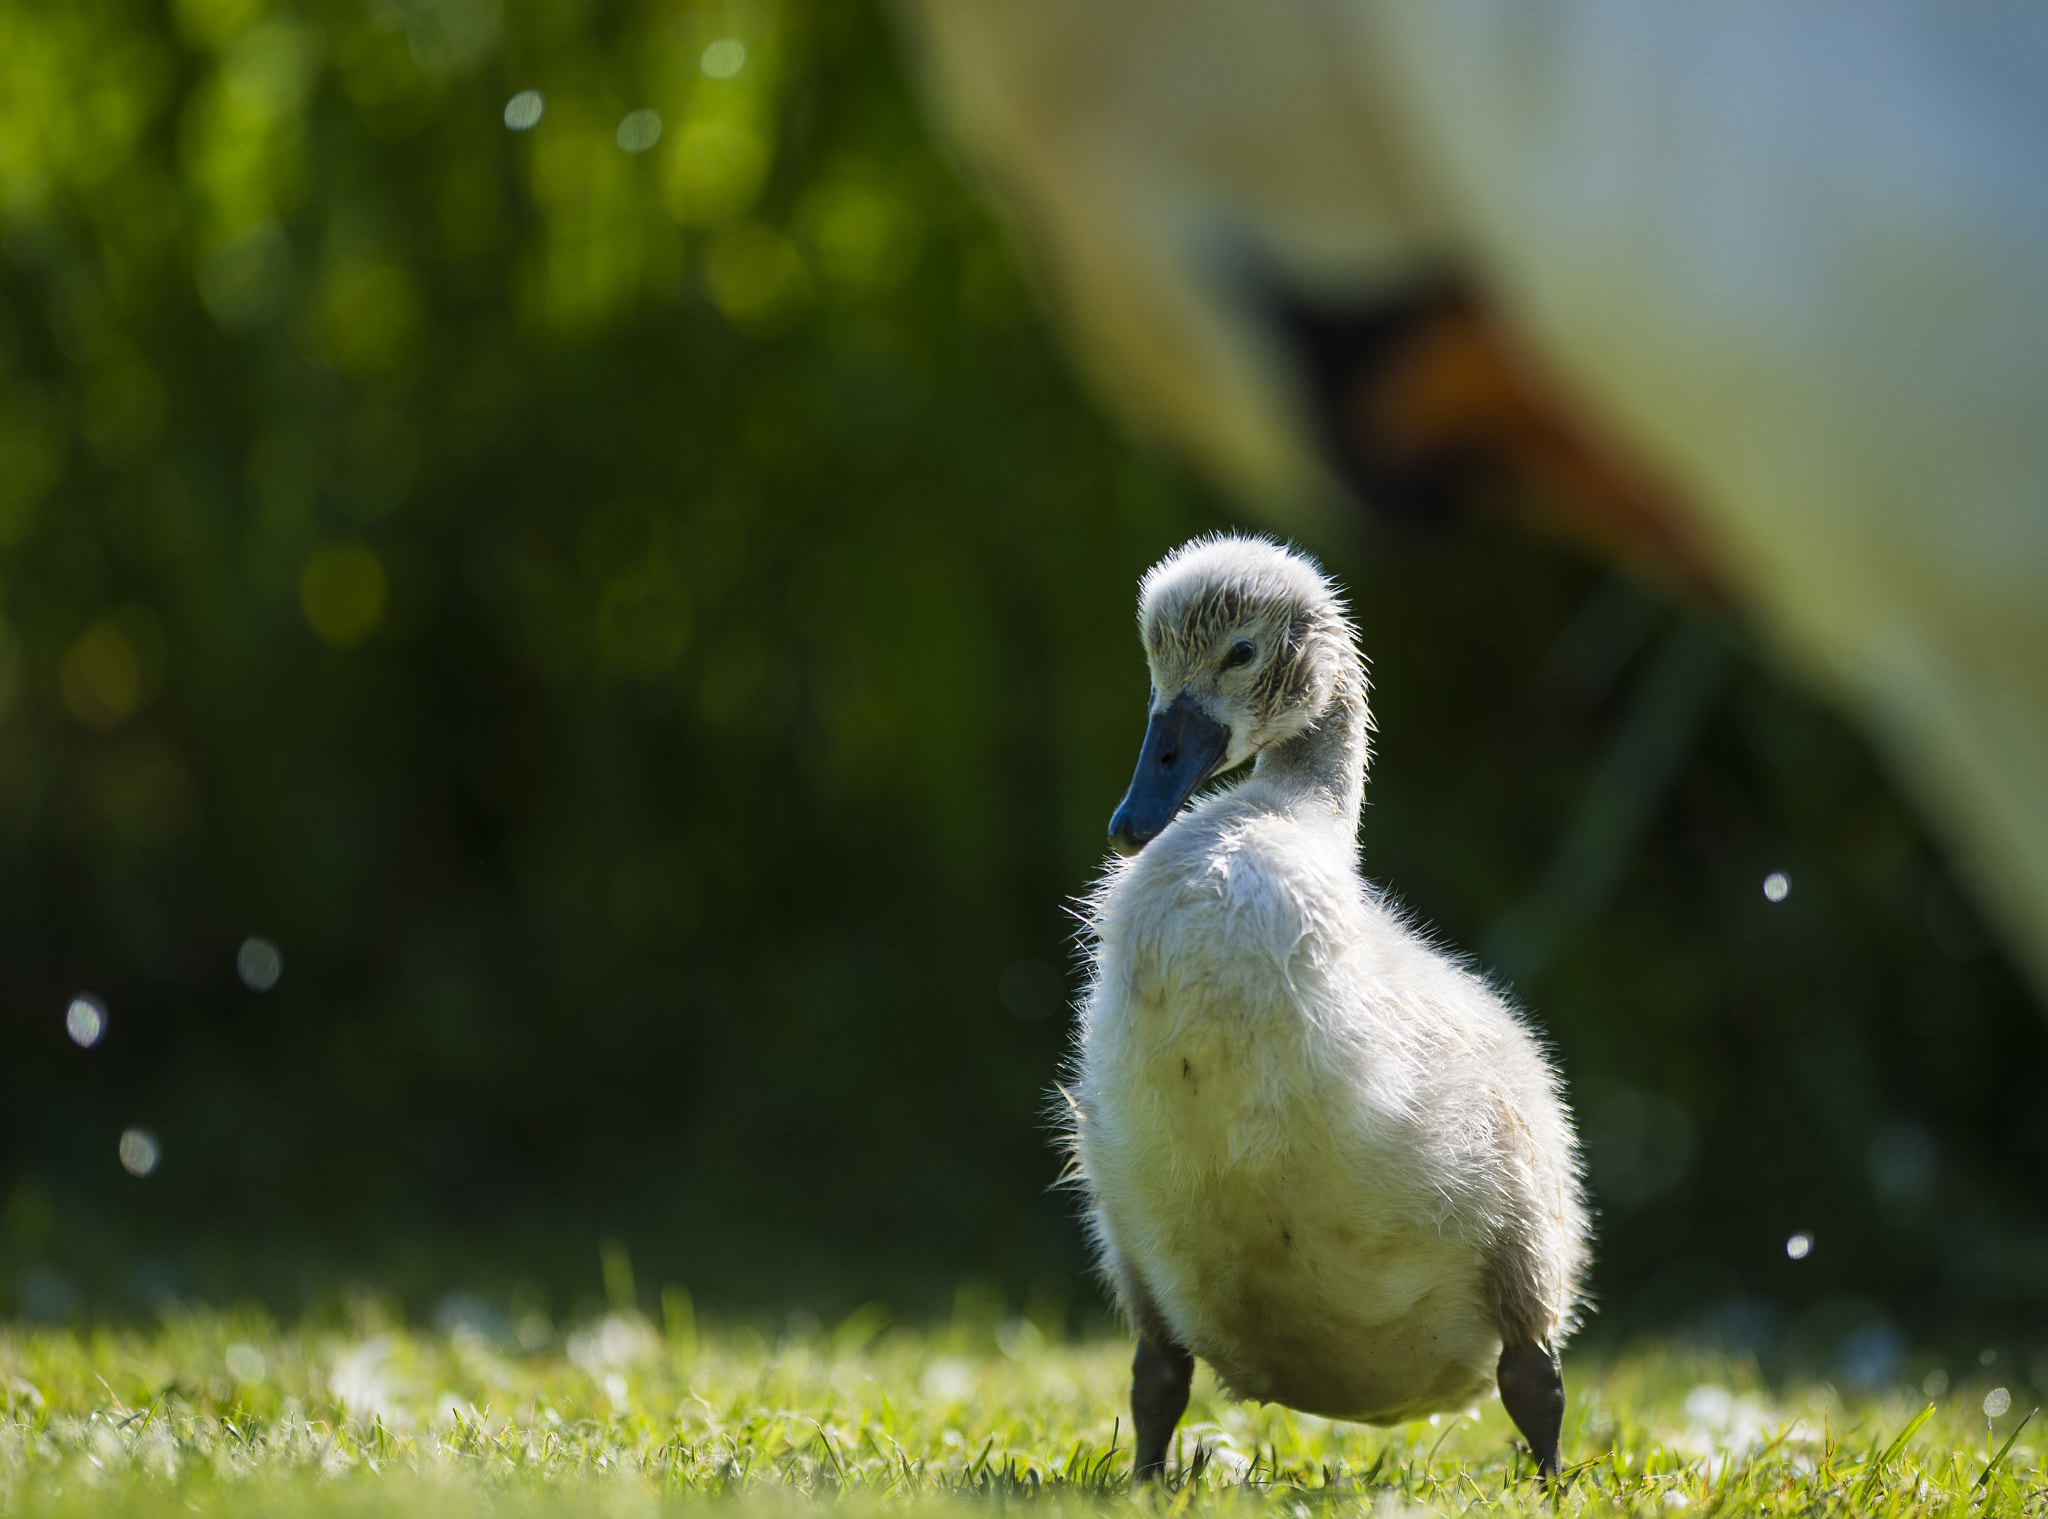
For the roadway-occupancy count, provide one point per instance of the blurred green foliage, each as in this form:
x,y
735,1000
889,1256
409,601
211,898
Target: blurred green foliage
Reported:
x,y
565,518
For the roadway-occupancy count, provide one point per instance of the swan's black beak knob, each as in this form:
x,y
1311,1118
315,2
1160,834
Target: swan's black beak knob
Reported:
x,y
1183,747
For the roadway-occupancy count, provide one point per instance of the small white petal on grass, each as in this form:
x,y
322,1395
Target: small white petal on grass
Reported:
x,y
616,1340
948,1379
361,1380
1996,1402
245,1362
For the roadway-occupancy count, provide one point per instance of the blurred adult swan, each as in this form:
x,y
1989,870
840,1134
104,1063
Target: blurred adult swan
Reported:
x,y
1322,1155
1754,291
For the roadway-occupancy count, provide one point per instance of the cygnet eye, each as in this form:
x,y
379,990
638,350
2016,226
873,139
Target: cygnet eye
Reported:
x,y
1240,653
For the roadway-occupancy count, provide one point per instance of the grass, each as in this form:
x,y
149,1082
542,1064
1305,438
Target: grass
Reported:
x,y
227,1414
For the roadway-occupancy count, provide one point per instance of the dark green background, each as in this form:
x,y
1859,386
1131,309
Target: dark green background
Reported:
x,y
681,848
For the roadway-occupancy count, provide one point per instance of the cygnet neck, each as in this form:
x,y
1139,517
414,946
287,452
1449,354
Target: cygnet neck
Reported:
x,y
1321,773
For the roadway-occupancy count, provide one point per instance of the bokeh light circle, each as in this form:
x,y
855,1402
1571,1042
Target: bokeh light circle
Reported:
x,y
724,58
259,962
524,110
640,130
139,1152
1777,886
85,1020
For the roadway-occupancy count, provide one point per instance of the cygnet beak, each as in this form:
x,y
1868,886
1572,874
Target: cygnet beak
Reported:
x,y
1183,746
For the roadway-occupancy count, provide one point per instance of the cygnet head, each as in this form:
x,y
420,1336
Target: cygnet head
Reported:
x,y
1248,646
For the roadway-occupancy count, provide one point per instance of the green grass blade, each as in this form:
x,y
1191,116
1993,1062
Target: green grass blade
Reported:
x,y
2003,1449
1898,1444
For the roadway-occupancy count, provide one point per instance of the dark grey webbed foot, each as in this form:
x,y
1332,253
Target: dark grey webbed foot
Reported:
x,y
1532,1391
1161,1374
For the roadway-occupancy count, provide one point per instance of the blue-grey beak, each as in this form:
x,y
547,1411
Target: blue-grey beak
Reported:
x,y
1183,747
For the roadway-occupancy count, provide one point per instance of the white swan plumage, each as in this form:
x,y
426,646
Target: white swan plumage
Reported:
x,y
1320,1153
1792,258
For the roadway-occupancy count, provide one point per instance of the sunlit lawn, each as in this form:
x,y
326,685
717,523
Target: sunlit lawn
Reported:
x,y
228,1414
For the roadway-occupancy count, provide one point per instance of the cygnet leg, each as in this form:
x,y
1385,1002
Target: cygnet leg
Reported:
x,y
1161,1374
1532,1391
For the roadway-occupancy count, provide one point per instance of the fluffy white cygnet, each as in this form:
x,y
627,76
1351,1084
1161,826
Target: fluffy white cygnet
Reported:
x,y
1322,1154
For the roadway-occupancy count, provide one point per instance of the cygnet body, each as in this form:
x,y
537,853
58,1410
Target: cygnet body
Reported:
x,y
1321,1154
